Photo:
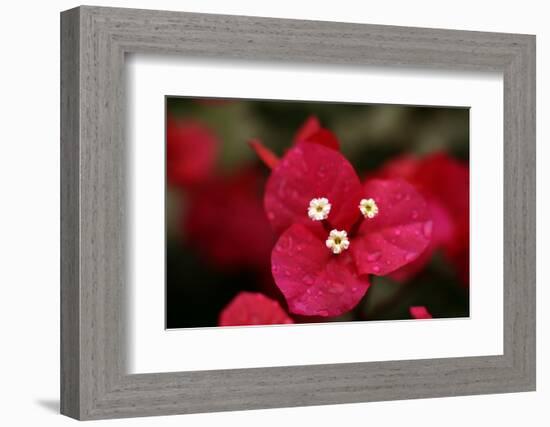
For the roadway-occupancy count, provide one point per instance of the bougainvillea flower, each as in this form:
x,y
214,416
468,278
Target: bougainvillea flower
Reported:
x,y
444,182
419,312
249,308
321,264
191,151
226,223
310,131
265,154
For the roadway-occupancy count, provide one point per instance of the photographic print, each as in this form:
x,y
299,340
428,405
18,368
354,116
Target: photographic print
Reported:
x,y
282,212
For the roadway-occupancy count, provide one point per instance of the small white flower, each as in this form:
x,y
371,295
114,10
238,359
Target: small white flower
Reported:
x,y
337,241
318,209
368,208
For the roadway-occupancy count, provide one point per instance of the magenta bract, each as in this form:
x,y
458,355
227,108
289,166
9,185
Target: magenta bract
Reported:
x,y
313,280
308,171
444,183
250,308
419,312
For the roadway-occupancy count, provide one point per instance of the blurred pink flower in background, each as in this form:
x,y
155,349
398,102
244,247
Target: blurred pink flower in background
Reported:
x,y
250,308
419,312
191,152
226,222
444,182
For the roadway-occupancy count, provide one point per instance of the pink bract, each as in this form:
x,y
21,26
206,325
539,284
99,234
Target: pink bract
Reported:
x,y
310,131
399,234
444,182
313,280
249,308
419,312
308,171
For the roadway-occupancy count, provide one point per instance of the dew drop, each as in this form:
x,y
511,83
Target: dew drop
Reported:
x,y
410,256
427,229
288,243
373,256
376,268
397,232
270,216
336,288
414,214
308,280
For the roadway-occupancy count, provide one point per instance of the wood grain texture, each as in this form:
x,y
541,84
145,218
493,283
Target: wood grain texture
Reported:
x,y
70,221
94,382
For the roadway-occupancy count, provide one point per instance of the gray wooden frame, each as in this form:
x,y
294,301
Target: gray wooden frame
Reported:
x,y
94,41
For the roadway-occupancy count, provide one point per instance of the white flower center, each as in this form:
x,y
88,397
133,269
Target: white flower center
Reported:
x,y
368,208
337,241
318,209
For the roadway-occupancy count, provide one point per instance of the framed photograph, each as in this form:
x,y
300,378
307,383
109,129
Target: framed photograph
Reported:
x,y
261,213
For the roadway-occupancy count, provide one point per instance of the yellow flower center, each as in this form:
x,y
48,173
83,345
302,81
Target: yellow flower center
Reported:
x,y
368,208
318,209
337,241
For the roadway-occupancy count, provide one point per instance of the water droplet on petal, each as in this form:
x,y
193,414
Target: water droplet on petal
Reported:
x,y
410,256
336,288
397,232
414,214
376,268
270,216
308,280
373,256
286,244
428,229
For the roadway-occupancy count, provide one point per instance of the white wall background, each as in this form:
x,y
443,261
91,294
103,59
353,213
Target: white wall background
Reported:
x,y
29,212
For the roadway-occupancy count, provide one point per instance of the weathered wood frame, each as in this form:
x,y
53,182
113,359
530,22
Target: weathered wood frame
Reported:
x,y
94,41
